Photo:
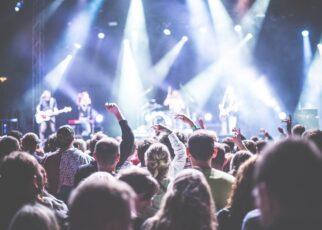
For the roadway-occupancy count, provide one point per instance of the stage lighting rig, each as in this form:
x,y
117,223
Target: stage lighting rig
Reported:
x,y
19,5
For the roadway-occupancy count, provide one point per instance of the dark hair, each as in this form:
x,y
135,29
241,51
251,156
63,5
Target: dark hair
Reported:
x,y
106,150
29,142
96,137
241,201
141,181
219,159
16,134
80,144
101,202
19,171
164,139
230,143
143,147
291,170
8,145
226,147
238,159
65,136
201,145
51,143
251,146
298,130
254,138
188,204
315,136
35,217
260,145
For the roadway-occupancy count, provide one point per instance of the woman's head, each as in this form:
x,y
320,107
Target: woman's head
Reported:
x,y
157,159
188,203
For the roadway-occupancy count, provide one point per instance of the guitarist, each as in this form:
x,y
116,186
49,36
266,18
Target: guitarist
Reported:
x,y
47,103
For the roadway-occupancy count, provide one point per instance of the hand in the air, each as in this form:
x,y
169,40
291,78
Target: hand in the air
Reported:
x,y
161,128
114,109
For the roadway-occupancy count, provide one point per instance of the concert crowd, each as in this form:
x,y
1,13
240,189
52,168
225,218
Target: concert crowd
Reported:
x,y
172,180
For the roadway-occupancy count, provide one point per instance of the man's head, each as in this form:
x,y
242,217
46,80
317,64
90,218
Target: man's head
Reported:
x,y
288,180
201,145
251,146
143,183
46,95
260,145
16,134
65,137
107,153
94,140
298,130
7,146
30,142
238,159
101,202
315,136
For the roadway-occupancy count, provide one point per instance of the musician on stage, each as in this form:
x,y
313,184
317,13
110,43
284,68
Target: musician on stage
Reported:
x,y
47,104
86,113
176,106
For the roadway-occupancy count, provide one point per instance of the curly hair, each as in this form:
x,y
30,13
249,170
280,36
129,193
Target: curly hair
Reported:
x,y
158,159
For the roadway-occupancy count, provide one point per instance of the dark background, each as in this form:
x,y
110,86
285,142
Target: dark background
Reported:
x,y
278,52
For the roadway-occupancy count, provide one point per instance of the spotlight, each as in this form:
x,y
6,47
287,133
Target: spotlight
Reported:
x,y
208,117
320,47
282,115
101,35
167,32
70,56
99,118
249,36
19,6
305,33
238,28
185,38
77,45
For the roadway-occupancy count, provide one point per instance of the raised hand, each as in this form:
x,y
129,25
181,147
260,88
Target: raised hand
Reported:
x,y
161,128
185,119
114,109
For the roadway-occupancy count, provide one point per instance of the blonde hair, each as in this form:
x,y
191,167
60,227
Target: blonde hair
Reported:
x,y
157,159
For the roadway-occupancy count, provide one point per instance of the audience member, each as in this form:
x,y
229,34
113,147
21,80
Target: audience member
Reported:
x,y
35,217
240,201
145,187
101,202
62,165
200,150
29,144
8,145
238,159
288,186
16,134
80,144
188,205
298,130
142,147
218,160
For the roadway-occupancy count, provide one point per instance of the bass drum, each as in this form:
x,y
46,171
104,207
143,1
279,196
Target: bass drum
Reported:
x,y
159,117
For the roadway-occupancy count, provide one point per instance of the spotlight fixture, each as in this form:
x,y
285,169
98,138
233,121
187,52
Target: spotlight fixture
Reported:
x,y
185,38
167,32
99,118
77,45
208,117
19,5
101,35
238,28
305,33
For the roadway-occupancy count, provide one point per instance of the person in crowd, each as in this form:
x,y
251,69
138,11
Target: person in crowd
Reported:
x,y
218,160
188,204
298,130
16,134
35,217
240,201
107,156
200,150
20,184
288,186
145,187
50,145
315,136
92,142
252,220
260,145
101,202
142,147
250,146
8,145
238,159
157,160
80,144
62,165
30,143
228,157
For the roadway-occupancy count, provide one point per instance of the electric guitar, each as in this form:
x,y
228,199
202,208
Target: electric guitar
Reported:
x,y
43,116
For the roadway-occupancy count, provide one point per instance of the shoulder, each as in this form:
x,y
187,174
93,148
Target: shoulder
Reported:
x,y
217,174
148,224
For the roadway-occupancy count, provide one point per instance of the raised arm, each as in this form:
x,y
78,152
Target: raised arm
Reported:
x,y
127,143
180,156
